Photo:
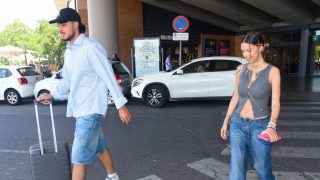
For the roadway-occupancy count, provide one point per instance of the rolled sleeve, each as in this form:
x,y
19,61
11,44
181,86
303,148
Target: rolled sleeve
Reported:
x,y
119,102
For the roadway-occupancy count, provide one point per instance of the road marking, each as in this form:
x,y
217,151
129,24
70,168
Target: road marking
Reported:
x,y
300,103
299,114
298,123
219,170
304,108
290,152
296,134
151,177
299,135
13,151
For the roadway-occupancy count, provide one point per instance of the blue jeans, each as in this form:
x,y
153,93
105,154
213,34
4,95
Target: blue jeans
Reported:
x,y
88,140
245,145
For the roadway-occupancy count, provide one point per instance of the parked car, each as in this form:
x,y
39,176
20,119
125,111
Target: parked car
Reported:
x,y
17,82
203,78
122,75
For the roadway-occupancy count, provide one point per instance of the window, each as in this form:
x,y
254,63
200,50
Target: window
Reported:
x,y
4,73
197,67
118,69
225,65
27,71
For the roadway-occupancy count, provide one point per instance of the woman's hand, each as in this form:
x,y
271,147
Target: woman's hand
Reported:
x,y
272,133
223,131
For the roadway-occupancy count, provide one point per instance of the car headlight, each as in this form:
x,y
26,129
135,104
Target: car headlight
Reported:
x,y
136,82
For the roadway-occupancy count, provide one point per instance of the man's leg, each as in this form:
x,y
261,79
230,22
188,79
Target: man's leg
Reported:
x,y
106,160
86,138
78,171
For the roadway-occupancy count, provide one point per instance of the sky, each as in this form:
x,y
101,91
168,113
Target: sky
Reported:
x,y
28,11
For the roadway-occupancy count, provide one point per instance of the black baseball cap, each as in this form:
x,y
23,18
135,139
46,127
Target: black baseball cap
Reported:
x,y
65,15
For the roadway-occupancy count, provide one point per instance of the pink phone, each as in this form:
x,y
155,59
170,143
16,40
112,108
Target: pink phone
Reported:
x,y
266,137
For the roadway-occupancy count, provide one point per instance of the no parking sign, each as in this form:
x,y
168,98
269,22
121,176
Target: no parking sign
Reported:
x,y
180,24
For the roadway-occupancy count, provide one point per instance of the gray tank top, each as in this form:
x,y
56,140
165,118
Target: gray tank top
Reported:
x,y
258,93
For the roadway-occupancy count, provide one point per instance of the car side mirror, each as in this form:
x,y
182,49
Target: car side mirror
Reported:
x,y
179,72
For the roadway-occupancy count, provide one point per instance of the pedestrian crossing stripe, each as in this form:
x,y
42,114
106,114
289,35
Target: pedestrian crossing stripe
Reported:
x,y
288,152
219,170
312,135
298,123
299,114
306,135
151,177
300,108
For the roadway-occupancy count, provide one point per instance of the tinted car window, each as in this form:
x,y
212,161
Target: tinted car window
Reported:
x,y
197,67
226,65
118,69
5,73
27,71
191,68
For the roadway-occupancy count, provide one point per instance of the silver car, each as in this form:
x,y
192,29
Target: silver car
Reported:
x,y
122,74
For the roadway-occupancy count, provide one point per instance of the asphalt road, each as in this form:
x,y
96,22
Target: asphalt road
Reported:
x,y
178,142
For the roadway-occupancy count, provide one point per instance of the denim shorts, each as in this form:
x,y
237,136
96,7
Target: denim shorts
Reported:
x,y
247,146
89,140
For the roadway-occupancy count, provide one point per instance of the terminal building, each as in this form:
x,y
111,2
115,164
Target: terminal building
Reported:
x,y
216,27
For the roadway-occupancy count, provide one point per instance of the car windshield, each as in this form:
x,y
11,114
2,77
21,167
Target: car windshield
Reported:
x,y
27,71
118,69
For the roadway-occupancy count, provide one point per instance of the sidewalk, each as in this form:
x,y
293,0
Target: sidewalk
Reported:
x,y
300,89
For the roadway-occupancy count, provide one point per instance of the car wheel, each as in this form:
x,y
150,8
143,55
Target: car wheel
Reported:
x,y
156,96
13,97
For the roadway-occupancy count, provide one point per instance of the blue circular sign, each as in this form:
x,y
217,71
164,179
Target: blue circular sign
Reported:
x,y
180,24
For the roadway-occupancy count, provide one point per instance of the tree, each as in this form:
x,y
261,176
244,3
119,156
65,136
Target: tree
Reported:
x,y
4,61
16,34
44,39
49,42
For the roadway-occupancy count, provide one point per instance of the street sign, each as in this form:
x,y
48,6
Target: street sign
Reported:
x,y
180,36
180,24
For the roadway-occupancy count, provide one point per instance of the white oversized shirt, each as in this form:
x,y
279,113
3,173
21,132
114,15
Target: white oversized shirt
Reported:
x,y
88,75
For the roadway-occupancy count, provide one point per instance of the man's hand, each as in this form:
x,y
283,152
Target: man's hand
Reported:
x,y
124,115
45,98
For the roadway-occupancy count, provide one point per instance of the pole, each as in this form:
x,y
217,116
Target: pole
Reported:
x,y
180,54
162,60
25,54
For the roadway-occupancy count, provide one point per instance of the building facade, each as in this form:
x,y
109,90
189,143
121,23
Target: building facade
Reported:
x,y
294,43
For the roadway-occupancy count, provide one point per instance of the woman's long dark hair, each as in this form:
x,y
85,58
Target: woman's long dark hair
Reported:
x,y
253,38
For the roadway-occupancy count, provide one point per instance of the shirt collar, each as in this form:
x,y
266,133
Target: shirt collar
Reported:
x,y
78,42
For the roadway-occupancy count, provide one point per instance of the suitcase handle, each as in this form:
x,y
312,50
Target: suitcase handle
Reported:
x,y
39,130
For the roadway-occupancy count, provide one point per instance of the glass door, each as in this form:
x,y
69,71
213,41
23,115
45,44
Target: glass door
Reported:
x,y
315,63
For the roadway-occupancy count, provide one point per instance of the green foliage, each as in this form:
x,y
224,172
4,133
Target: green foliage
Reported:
x,y
317,52
4,61
16,34
44,39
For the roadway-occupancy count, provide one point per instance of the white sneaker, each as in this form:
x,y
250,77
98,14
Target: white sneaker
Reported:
x,y
113,177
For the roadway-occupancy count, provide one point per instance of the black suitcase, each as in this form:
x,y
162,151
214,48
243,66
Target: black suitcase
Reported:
x,y
49,160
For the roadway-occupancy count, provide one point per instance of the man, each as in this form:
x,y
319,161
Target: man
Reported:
x,y
168,63
88,76
31,64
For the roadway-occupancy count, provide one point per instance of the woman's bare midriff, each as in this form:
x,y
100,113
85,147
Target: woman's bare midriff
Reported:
x,y
247,111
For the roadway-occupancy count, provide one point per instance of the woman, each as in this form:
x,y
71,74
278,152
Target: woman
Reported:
x,y
249,112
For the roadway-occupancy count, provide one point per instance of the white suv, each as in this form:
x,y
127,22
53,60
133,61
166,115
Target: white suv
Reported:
x,y
17,82
203,78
